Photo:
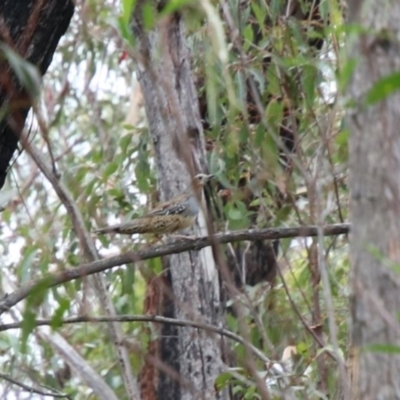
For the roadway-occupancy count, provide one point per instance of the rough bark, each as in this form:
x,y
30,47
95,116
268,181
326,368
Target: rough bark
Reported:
x,y
190,360
375,201
33,29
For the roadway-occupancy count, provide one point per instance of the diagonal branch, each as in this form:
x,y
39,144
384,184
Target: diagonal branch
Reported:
x,y
87,374
31,389
181,246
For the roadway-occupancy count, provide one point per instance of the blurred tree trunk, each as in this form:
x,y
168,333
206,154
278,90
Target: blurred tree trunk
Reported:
x,y
375,201
187,360
32,28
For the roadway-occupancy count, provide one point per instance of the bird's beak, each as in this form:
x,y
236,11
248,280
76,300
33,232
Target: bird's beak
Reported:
x,y
209,177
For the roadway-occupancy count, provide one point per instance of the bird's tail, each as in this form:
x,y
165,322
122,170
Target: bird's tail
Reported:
x,y
139,225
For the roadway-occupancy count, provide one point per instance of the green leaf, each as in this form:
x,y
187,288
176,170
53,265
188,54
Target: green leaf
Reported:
x,y
125,142
80,174
116,193
222,381
27,327
128,280
302,349
248,35
127,8
25,268
110,169
274,85
149,15
155,265
90,187
34,300
173,6
97,156
342,138
125,31
124,20
274,113
250,393
26,72
63,306
383,88
310,74
235,214
128,127
142,172
259,12
73,259
346,73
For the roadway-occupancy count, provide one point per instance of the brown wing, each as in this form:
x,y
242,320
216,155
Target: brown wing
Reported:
x,y
173,206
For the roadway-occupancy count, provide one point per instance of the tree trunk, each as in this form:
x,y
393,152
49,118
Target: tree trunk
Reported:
x,y
191,358
375,201
32,28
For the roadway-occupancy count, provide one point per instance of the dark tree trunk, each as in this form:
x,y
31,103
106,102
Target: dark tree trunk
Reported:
x,y
375,200
32,28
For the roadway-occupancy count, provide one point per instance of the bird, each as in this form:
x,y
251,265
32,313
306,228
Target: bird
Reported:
x,y
173,215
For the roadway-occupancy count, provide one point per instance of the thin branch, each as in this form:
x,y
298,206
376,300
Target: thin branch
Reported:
x,y
333,330
30,389
326,286
148,318
302,320
181,246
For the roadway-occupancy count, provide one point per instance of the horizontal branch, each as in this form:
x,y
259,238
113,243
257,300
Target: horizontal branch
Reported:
x,y
180,246
148,318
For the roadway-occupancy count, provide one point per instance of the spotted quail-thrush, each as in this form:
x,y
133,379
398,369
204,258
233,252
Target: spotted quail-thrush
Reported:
x,y
174,215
